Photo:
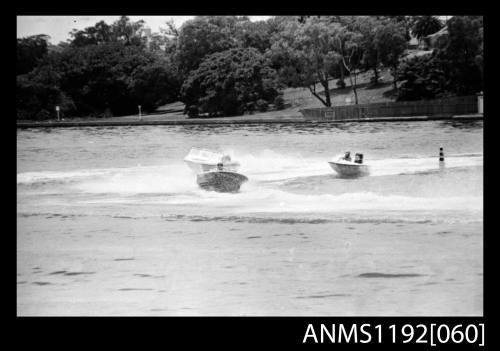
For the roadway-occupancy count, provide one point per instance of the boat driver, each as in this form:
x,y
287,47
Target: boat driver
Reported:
x,y
358,158
347,156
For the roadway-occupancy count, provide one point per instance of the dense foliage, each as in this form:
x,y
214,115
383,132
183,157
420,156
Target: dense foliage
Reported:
x,y
423,77
231,82
316,50
425,25
454,69
229,65
104,71
30,51
98,80
390,41
305,55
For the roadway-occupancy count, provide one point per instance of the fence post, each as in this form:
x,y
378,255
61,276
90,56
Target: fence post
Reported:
x,y
480,102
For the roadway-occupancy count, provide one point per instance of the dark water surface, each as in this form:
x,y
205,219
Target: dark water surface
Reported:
x,y
111,221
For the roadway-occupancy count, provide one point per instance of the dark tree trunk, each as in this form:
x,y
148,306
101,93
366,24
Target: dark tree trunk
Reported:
x,y
354,85
352,72
375,75
312,89
395,78
324,83
342,75
323,80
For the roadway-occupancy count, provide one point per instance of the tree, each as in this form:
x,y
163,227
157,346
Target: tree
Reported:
x,y
30,50
424,25
155,84
229,83
390,41
352,54
464,49
367,27
203,36
100,33
455,68
121,31
98,77
352,45
127,32
422,77
99,80
38,92
306,55
404,21
114,78
277,24
255,35
104,70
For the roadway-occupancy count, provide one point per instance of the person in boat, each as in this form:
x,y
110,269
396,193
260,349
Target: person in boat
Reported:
x,y
347,156
358,158
220,166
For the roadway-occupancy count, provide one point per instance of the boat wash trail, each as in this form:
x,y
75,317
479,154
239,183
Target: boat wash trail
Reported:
x,y
111,221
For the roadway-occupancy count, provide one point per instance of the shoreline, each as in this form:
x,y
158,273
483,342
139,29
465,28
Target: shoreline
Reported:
x,y
235,120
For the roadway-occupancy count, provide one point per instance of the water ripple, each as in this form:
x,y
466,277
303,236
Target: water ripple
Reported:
x,y
389,275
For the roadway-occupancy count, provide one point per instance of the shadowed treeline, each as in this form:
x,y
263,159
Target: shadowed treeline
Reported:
x,y
219,66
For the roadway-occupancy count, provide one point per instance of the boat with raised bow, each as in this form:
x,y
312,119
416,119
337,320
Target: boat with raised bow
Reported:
x,y
202,160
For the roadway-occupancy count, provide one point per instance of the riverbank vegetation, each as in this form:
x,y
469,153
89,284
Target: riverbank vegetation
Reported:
x,y
229,65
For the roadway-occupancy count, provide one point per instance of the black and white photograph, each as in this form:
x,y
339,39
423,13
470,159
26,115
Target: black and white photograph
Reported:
x,y
230,165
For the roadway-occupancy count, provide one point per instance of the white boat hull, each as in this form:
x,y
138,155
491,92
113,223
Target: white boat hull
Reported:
x,y
349,169
221,181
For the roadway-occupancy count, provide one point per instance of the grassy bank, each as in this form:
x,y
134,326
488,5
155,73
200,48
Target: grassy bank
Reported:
x,y
295,100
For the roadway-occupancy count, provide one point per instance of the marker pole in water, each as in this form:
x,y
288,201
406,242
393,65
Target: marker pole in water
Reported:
x,y
140,115
441,155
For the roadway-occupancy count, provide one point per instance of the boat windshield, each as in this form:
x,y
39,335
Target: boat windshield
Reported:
x,y
205,155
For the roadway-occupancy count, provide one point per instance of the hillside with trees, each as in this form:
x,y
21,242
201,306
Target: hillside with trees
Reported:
x,y
229,65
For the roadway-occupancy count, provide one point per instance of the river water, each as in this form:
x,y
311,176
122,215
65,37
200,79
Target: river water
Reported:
x,y
110,221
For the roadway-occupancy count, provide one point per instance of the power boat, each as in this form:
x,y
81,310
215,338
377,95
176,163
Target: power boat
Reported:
x,y
215,171
347,168
202,160
221,180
